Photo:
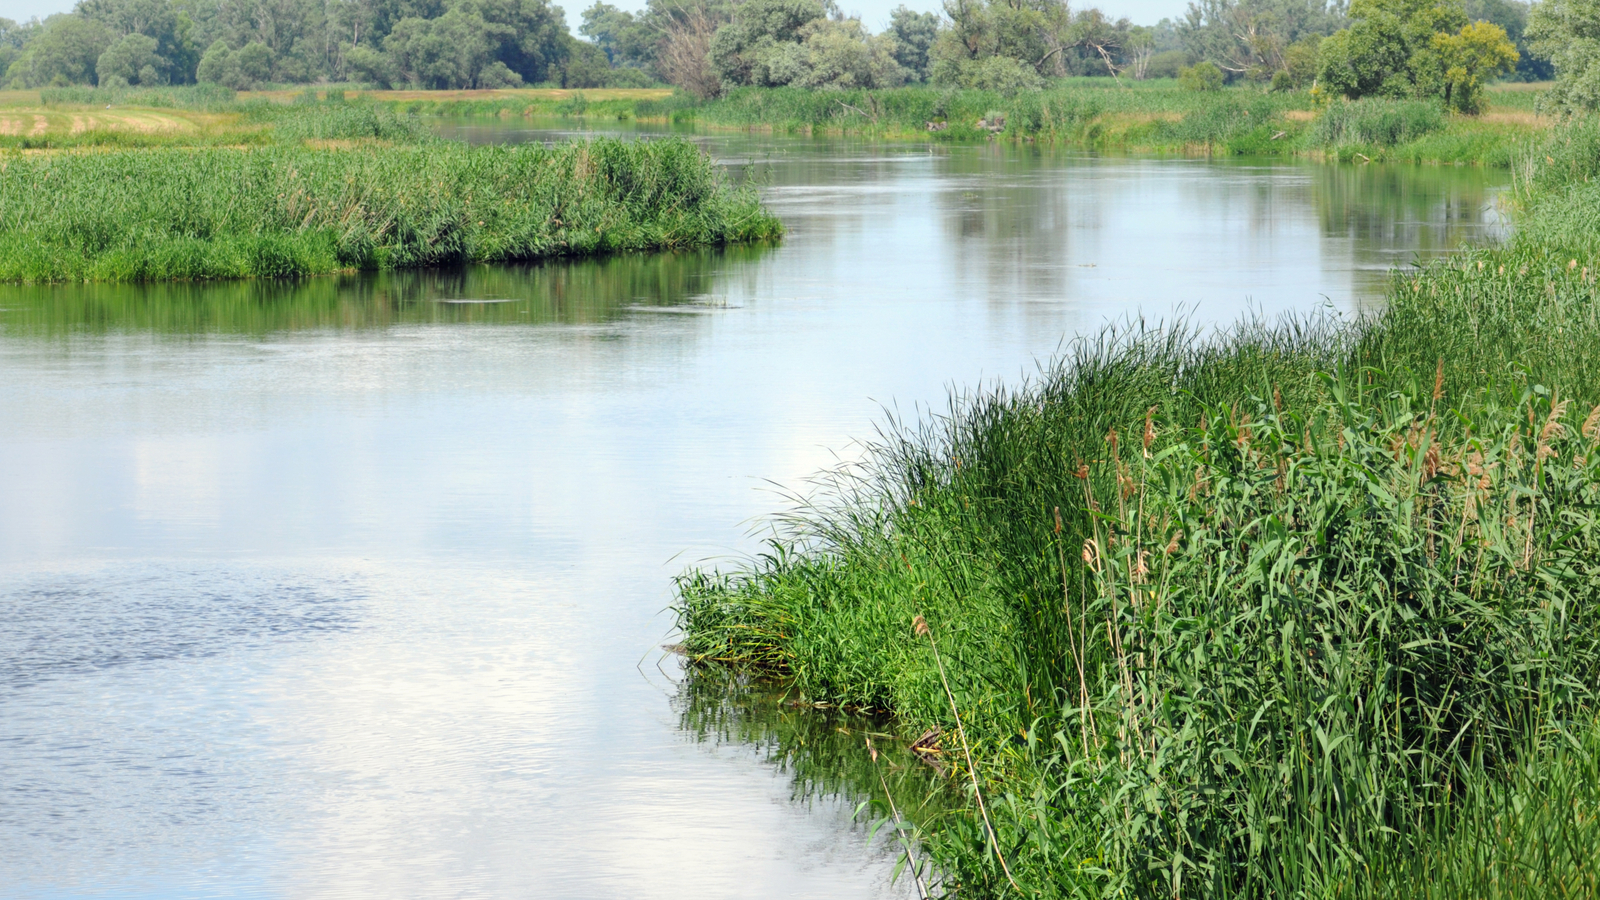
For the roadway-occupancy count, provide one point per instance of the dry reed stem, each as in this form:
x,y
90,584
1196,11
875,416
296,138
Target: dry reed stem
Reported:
x,y
916,874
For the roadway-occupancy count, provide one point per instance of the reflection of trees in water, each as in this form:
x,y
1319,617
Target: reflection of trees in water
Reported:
x,y
1379,208
563,292
1015,221
823,751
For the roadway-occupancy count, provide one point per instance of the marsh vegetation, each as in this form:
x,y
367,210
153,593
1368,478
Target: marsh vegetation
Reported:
x,y
1298,608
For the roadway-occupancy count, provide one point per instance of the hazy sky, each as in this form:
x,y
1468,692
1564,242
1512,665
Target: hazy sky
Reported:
x,y
875,13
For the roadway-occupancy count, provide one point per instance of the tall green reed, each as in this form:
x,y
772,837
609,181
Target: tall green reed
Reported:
x,y
290,211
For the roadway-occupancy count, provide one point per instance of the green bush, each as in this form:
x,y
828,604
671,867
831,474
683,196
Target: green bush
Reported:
x,y
1202,76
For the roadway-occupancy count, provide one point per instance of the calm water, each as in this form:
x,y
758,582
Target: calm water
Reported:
x,y
348,588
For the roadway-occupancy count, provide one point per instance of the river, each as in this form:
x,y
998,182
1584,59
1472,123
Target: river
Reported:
x,y
355,586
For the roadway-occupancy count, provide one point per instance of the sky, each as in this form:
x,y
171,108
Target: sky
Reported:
x,y
874,13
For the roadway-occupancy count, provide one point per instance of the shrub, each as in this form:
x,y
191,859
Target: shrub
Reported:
x,y
1202,76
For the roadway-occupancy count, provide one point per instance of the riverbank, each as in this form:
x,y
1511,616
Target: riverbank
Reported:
x,y
327,203
1152,117
1305,608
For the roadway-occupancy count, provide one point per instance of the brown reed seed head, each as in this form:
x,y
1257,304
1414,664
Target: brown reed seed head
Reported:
x,y
921,626
1591,425
1438,381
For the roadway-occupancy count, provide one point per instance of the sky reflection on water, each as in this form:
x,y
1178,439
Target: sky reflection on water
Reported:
x,y
330,589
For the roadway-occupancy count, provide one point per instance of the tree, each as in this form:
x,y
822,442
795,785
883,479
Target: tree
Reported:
x,y
447,52
169,26
132,60
763,34
626,39
1251,38
1466,59
1567,32
1388,49
913,34
13,38
1032,34
64,52
683,56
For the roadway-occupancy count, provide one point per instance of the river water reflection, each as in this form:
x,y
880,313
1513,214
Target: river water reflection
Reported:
x,y
353,586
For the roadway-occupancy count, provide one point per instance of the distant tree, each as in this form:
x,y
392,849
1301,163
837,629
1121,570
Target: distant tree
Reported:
x,y
1424,49
1512,15
1032,34
1251,38
683,56
168,25
65,51
763,34
1567,32
627,40
13,38
132,60
586,67
913,34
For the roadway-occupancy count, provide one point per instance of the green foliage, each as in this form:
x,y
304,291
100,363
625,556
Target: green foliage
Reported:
x,y
132,60
913,34
1376,122
1202,76
781,42
275,212
64,52
1253,39
1414,48
1567,32
1296,610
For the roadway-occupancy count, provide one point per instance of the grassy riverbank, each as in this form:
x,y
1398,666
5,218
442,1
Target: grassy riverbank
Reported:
x,y
279,211
1302,609
1089,113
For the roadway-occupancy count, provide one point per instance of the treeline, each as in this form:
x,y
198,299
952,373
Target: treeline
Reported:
x,y
709,46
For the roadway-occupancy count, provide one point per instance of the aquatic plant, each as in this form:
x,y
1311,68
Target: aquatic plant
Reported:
x,y
1302,608
290,211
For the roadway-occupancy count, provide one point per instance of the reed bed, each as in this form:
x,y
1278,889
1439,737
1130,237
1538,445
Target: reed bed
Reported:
x,y
1301,608
291,211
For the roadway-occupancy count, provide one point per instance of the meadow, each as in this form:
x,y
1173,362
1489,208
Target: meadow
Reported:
x,y
1296,608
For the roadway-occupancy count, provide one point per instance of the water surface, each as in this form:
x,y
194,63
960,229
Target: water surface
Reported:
x,y
353,586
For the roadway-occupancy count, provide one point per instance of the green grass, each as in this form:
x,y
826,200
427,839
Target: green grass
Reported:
x,y
292,211
1300,609
1154,116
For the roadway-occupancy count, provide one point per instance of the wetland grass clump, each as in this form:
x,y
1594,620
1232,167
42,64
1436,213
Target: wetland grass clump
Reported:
x,y
1304,609
282,211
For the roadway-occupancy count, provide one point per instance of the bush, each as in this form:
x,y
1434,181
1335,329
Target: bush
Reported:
x,y
1202,76
1167,64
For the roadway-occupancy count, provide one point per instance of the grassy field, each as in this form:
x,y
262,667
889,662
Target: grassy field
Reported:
x,y
281,211
1306,608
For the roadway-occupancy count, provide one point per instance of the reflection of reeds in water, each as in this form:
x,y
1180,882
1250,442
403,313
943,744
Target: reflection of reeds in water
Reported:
x,y
829,753
576,292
